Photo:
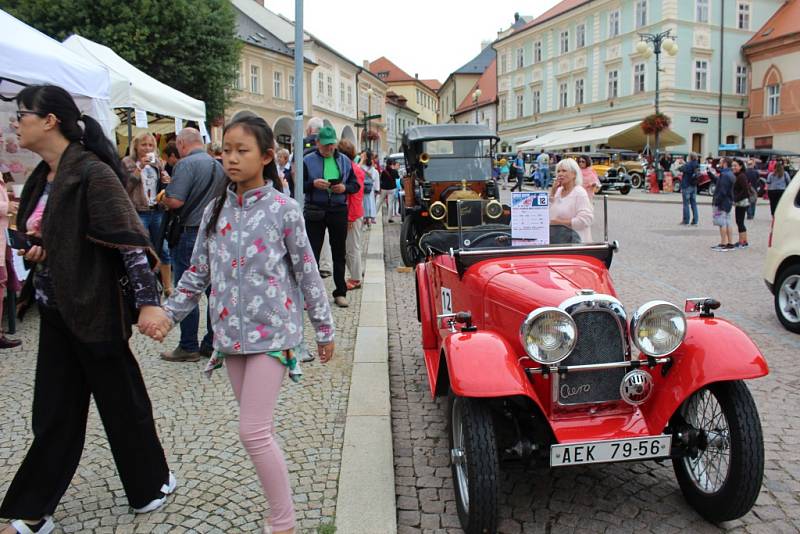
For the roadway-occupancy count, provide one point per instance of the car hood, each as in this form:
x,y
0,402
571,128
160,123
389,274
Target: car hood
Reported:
x,y
520,287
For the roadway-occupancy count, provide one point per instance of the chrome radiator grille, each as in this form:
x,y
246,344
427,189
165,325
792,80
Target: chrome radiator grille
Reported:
x,y
600,340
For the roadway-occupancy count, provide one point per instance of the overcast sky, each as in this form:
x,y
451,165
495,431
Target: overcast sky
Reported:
x,y
429,37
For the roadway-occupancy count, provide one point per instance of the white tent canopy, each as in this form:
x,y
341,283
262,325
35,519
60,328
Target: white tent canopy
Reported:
x,y
624,135
542,140
29,57
132,88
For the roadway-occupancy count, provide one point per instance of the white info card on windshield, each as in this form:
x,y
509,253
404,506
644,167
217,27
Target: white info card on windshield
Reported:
x,y
530,218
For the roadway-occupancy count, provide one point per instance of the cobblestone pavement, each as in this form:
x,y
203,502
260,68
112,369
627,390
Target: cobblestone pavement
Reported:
x,y
218,490
658,259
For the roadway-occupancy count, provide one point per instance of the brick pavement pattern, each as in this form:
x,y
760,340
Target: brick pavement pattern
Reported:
x,y
658,260
218,491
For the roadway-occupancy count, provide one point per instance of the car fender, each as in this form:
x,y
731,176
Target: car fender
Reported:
x,y
425,311
714,350
484,364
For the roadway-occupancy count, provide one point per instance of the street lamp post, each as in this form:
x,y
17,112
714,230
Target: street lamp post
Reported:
x,y
475,96
653,44
369,114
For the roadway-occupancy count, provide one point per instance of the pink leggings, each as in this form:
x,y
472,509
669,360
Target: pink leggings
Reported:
x,y
256,381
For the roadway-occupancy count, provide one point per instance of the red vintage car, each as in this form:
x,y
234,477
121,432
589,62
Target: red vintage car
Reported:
x,y
541,362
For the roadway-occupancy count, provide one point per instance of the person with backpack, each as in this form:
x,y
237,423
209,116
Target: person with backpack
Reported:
x,y
689,179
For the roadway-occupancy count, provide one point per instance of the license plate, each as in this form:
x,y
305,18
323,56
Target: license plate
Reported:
x,y
616,450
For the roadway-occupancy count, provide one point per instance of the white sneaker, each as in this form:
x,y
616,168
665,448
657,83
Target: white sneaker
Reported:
x,y
165,490
47,526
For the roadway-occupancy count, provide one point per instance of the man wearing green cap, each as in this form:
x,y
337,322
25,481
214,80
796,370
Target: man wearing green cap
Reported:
x,y
327,180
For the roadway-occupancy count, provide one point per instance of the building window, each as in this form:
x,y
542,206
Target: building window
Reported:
x,y
537,52
578,92
701,11
537,102
503,108
741,80
330,87
743,16
320,83
701,75
580,36
613,84
520,109
291,88
255,80
697,143
349,95
276,84
613,24
503,64
237,77
638,78
564,42
520,58
773,100
730,140
641,13
341,92
562,96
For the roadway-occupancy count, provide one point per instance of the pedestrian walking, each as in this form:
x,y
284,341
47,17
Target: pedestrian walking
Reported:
x,y
371,177
284,172
388,182
327,181
196,182
89,234
504,170
689,177
722,204
257,320
589,176
6,268
543,166
754,181
741,201
355,215
777,180
146,181
519,171
325,260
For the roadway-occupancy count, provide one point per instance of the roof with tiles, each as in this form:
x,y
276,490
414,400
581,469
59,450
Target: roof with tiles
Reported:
x,y
479,63
387,71
434,85
487,84
558,9
782,24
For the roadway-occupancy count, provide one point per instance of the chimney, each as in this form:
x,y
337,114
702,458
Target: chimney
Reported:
x,y
484,44
365,64
260,2
416,76
516,17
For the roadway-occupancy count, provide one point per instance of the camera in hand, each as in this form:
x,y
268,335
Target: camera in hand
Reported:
x,y
22,241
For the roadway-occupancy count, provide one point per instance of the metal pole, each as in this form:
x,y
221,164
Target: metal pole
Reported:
x,y
657,51
130,130
298,102
721,67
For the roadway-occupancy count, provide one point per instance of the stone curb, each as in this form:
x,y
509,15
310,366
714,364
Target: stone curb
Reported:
x,y
366,498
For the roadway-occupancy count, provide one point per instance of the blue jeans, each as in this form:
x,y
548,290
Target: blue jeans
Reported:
x,y
751,209
544,172
689,193
181,261
152,220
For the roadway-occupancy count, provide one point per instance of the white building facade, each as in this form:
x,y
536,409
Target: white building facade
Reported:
x,y
578,67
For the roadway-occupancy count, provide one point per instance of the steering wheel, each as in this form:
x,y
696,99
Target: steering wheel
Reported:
x,y
487,235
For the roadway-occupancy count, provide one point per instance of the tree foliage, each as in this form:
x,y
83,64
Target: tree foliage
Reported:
x,y
190,45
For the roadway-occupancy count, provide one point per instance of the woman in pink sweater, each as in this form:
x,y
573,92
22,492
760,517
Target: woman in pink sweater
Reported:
x,y
5,204
569,202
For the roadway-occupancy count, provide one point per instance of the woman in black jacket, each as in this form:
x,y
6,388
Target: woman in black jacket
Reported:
x,y
89,240
741,201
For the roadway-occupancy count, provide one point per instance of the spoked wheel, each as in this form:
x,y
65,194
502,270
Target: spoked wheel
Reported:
x,y
473,457
721,474
787,298
409,241
676,186
625,189
637,181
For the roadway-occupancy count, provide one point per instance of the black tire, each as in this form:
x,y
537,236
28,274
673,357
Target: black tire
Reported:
x,y
733,495
637,181
409,241
625,189
478,466
711,188
676,186
787,298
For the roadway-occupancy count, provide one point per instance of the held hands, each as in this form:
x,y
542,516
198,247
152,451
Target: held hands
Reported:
x,y
154,322
325,351
319,183
338,188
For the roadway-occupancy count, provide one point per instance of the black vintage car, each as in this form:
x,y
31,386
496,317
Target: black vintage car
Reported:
x,y
446,163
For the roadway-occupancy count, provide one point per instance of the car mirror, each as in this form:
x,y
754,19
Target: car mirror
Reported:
x,y
693,305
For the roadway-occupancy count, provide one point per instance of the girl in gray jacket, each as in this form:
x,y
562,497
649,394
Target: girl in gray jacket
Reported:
x,y
254,253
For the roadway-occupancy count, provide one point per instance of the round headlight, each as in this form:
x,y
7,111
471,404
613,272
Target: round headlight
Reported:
x,y
437,211
548,335
658,328
494,209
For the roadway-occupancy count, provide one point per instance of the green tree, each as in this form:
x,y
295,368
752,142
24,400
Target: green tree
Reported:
x,y
190,45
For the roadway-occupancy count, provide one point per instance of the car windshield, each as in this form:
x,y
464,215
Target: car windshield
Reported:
x,y
456,160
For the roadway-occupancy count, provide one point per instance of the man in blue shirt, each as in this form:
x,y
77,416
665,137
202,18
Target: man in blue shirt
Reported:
x,y
543,165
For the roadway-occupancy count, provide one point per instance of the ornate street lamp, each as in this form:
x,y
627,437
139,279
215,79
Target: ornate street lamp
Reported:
x,y
653,44
475,96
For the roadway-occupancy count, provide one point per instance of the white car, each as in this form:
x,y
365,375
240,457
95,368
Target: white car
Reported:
x,y
782,266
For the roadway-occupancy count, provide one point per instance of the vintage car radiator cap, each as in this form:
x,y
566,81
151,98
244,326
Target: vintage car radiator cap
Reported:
x,y
585,292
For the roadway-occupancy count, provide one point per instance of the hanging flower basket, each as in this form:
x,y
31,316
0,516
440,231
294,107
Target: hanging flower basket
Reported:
x,y
655,123
370,135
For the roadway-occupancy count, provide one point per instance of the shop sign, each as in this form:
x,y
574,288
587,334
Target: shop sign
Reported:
x,y
763,142
701,120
